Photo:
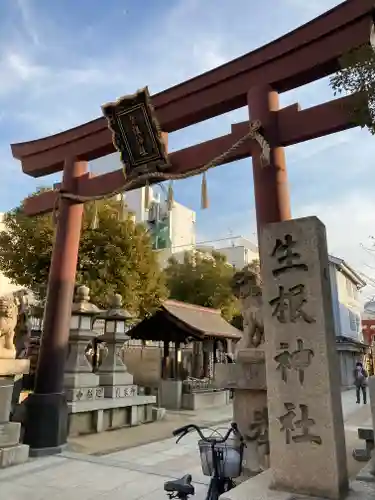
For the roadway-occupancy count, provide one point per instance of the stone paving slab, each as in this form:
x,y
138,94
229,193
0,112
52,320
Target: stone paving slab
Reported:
x,y
257,488
73,479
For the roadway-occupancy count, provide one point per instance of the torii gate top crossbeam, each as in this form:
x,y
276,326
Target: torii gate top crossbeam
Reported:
x,y
301,56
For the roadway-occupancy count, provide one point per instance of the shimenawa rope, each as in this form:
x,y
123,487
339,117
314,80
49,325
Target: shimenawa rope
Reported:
x,y
253,133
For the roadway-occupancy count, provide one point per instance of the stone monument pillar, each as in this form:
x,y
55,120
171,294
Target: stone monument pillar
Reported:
x,y
113,374
11,451
80,383
250,408
307,454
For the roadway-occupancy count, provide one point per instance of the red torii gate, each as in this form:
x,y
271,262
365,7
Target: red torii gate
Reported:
x,y
255,79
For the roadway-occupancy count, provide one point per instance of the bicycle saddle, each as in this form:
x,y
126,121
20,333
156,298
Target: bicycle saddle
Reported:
x,y
182,485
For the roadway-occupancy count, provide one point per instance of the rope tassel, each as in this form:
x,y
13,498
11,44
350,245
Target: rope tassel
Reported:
x,y
55,213
122,207
95,220
147,196
204,193
170,199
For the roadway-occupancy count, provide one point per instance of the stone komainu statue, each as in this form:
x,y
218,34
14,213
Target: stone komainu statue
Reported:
x,y
23,328
8,322
247,286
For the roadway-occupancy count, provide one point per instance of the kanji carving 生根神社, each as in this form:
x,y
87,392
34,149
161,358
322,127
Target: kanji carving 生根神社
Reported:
x,y
297,360
289,424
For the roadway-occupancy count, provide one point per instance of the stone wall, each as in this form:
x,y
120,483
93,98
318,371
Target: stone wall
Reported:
x,y
143,364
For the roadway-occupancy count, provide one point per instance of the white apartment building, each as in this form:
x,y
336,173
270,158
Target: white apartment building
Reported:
x,y
347,308
345,286
241,252
171,231
168,230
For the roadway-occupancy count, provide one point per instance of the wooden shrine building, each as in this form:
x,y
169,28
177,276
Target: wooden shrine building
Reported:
x,y
182,324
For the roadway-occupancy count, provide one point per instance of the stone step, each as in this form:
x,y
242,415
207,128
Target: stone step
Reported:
x,y
9,434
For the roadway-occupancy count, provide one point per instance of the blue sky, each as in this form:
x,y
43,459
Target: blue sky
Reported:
x,y
61,59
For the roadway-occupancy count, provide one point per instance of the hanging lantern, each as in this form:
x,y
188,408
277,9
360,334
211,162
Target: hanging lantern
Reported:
x,y
123,208
95,218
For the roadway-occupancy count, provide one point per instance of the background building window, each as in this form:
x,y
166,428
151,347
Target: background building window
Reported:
x,y
352,321
358,322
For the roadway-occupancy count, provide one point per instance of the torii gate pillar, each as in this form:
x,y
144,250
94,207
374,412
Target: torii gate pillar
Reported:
x,y
47,412
272,201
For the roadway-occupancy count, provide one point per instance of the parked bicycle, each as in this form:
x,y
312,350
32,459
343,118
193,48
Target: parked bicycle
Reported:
x,y
221,458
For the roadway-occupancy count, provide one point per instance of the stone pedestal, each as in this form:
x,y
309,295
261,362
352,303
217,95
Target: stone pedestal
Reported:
x,y
247,378
250,409
114,377
11,452
170,392
80,383
306,430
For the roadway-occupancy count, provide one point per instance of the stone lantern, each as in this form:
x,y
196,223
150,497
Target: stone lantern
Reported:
x,y
114,376
81,384
116,319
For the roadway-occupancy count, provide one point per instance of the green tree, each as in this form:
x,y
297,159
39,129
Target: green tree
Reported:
x,y
202,280
114,257
356,77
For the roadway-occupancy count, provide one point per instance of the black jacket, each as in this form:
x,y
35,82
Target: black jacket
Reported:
x,y
360,377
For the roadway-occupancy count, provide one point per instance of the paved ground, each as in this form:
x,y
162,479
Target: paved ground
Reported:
x,y
135,473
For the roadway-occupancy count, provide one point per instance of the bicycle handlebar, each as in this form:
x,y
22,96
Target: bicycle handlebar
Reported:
x,y
181,431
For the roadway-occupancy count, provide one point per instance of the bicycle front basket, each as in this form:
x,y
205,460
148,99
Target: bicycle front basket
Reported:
x,y
229,458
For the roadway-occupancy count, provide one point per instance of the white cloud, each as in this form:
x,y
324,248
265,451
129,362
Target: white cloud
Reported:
x,y
349,221
17,71
28,21
21,68
312,9
186,41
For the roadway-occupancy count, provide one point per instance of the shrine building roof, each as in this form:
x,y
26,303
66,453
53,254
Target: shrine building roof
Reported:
x,y
178,321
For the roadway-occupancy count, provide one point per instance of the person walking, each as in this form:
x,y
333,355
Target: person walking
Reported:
x,y
360,382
